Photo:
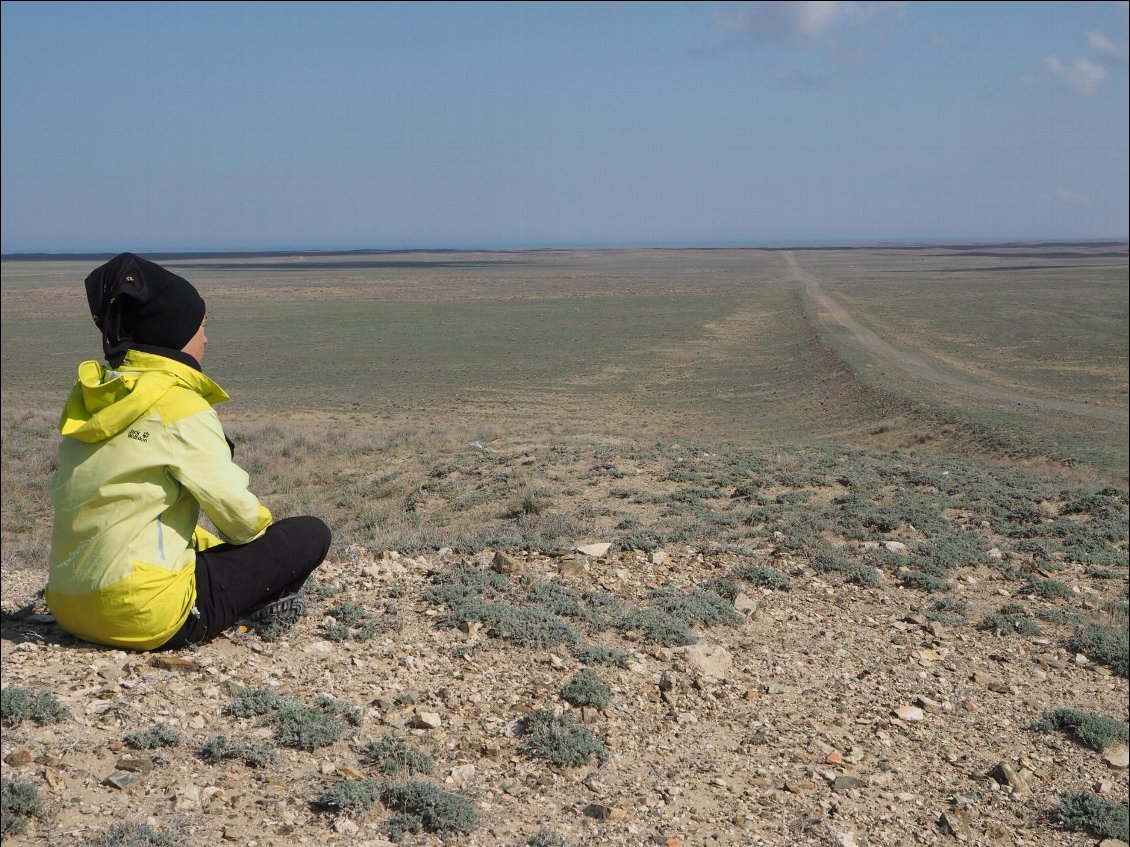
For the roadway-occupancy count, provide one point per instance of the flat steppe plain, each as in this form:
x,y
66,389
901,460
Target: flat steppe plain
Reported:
x,y
928,446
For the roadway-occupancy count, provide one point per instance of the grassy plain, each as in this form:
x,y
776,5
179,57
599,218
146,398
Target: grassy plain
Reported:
x,y
370,371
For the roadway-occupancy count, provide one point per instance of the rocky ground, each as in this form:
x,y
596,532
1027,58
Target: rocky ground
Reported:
x,y
832,714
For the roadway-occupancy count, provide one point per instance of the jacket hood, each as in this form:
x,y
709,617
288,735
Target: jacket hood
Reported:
x,y
104,401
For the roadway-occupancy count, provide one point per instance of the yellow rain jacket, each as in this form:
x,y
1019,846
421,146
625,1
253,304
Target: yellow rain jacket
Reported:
x,y
142,452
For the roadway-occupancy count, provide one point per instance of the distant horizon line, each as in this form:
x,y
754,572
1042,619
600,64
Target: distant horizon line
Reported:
x,y
32,255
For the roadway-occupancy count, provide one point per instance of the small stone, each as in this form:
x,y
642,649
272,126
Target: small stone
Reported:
x,y
1006,774
594,550
800,786
174,663
504,563
658,557
19,758
1113,842
995,553
1117,756
427,720
134,765
834,758
745,604
955,824
463,773
895,547
571,566
186,799
910,714
929,706
674,842
121,779
846,783
712,661
345,826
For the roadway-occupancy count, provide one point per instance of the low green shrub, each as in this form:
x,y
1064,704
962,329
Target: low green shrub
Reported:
x,y
560,739
1091,730
656,627
20,704
296,725
1083,811
1105,644
161,735
393,756
594,654
548,838
218,748
306,729
925,581
762,577
251,702
1049,589
349,797
438,811
855,573
1010,618
20,803
698,607
586,689
126,834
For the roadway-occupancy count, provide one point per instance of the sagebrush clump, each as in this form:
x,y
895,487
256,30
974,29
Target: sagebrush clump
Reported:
x,y
393,756
1105,644
252,753
586,689
436,810
561,740
161,735
1091,730
1083,811
20,704
125,834
20,804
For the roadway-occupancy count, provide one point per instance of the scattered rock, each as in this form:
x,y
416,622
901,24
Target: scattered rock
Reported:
x,y
121,779
1006,774
745,604
427,720
1117,756
504,563
846,783
19,758
711,661
595,550
910,714
955,824
599,812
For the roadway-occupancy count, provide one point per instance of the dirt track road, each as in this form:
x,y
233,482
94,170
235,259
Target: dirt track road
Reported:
x,y
837,320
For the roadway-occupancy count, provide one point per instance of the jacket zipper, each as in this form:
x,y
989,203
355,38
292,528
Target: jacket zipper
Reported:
x,y
160,542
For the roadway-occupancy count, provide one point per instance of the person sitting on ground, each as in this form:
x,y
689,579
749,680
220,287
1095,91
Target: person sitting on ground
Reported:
x,y
142,453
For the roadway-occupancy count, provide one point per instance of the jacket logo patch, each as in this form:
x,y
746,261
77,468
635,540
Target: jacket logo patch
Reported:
x,y
138,435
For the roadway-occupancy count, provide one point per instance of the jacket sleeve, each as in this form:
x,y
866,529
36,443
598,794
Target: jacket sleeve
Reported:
x,y
201,462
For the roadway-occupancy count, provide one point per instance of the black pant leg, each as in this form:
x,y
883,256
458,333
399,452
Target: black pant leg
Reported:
x,y
232,579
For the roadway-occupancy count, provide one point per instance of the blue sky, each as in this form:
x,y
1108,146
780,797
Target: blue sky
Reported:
x,y
263,126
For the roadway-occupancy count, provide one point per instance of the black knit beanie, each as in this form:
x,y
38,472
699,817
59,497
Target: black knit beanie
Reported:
x,y
133,300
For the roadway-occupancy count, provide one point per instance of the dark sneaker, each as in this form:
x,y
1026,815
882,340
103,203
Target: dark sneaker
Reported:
x,y
283,612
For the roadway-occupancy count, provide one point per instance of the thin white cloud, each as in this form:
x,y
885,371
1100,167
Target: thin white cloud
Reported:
x,y
1106,47
802,21
1082,77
